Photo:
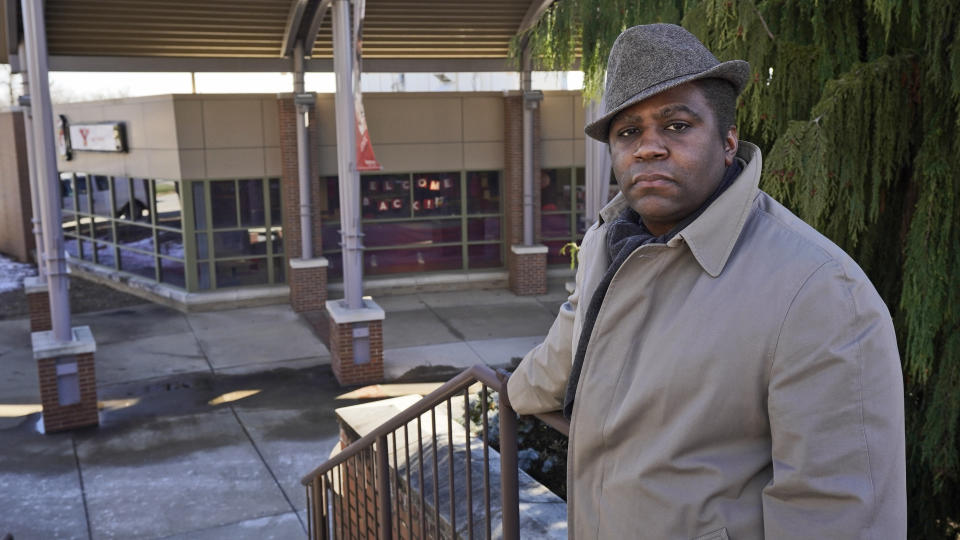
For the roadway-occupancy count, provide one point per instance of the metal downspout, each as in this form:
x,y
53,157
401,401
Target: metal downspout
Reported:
x,y
303,157
36,208
47,176
525,87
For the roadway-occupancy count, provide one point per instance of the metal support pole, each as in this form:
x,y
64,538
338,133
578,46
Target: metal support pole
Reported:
x,y
347,157
303,157
35,39
36,208
525,87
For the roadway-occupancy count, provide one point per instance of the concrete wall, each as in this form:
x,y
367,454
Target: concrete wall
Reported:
x,y
16,236
420,132
184,136
561,130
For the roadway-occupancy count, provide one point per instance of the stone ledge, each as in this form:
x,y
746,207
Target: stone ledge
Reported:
x,y
341,314
536,249
316,262
45,346
35,284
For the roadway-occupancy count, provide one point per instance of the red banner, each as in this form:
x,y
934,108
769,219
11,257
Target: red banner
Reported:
x,y
366,160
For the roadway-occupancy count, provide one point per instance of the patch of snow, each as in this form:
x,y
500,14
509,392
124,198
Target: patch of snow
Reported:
x,y
13,272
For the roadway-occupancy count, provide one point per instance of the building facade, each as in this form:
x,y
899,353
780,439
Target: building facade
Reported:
x,y
202,208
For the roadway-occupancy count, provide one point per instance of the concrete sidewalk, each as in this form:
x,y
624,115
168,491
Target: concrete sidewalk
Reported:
x,y
209,420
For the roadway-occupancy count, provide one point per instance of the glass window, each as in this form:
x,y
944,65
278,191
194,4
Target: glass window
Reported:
x,y
483,192
203,276
67,200
384,196
436,194
202,246
135,236
101,196
168,203
103,230
486,228
239,243
484,256
139,206
170,243
86,250
404,214
412,232
277,235
80,185
330,199
141,264
389,261
106,255
172,272
562,203
276,202
223,203
252,210
199,207
72,246
233,273
279,267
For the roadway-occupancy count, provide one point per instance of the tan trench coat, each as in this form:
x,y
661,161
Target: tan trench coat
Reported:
x,y
741,381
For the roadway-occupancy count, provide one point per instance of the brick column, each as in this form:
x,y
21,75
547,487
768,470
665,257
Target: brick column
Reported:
x,y
38,303
528,269
356,326
526,264
307,278
68,383
308,284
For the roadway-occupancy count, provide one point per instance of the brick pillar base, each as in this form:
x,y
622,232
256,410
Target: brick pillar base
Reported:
x,y
38,302
528,270
361,326
308,284
68,383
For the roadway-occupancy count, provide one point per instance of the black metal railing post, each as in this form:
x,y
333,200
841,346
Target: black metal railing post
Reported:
x,y
383,488
509,473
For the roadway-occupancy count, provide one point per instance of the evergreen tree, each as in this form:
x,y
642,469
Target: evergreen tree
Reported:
x,y
856,106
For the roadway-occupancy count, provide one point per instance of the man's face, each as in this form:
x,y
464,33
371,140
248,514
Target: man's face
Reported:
x,y
668,156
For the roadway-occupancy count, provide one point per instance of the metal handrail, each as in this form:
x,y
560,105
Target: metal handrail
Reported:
x,y
318,484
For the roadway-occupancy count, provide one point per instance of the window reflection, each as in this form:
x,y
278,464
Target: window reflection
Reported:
x,y
168,203
483,192
385,196
223,203
436,194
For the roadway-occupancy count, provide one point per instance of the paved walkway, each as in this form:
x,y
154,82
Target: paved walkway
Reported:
x,y
209,420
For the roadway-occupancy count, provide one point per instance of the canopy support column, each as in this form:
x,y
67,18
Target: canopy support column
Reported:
x,y
46,165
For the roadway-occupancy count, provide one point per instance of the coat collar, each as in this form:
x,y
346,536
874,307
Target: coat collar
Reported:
x,y
711,236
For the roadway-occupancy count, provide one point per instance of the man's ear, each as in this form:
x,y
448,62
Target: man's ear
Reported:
x,y
731,143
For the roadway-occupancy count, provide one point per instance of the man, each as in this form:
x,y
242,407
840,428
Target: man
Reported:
x,y
728,371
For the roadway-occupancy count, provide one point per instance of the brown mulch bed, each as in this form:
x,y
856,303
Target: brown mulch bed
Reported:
x,y
85,296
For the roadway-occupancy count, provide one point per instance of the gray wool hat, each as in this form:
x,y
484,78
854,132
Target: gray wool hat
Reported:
x,y
648,59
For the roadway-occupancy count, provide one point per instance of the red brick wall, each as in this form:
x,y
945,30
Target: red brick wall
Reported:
x,y
290,178
58,417
341,354
308,288
39,305
528,274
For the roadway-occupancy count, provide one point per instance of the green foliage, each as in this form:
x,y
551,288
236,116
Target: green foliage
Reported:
x,y
856,106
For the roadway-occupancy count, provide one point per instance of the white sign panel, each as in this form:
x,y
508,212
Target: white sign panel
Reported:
x,y
105,137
